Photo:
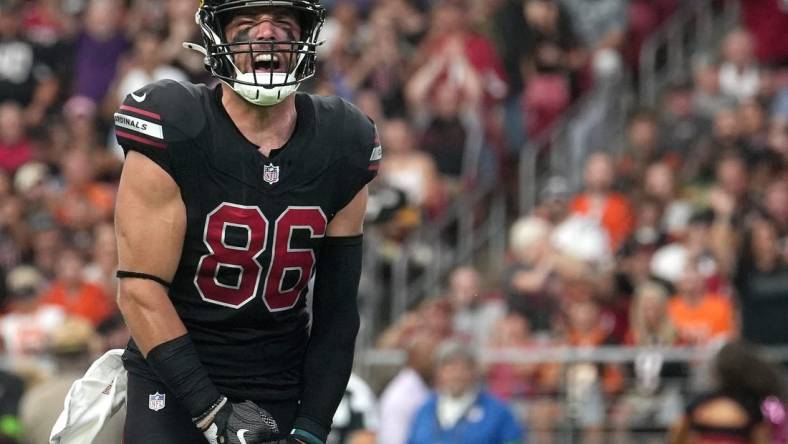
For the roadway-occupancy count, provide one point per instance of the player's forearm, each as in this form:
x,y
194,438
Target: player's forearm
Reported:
x,y
329,356
149,314
327,367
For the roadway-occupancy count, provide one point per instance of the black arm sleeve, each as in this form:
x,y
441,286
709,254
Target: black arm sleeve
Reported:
x,y
177,364
335,322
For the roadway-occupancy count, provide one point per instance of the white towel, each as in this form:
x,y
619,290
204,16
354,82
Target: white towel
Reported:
x,y
91,401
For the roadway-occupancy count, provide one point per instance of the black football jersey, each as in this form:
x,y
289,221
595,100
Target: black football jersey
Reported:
x,y
255,224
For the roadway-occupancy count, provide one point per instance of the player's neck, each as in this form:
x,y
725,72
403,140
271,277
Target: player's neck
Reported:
x,y
268,127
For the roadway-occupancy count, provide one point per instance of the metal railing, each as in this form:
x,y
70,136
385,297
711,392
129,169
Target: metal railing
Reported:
x,y
568,395
667,54
594,122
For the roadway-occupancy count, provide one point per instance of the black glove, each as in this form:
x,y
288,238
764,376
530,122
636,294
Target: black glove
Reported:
x,y
238,423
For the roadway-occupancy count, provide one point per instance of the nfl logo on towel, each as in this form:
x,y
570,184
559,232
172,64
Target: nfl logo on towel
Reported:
x,y
156,401
271,173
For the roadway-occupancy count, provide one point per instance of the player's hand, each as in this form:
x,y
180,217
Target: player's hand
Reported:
x,y
241,423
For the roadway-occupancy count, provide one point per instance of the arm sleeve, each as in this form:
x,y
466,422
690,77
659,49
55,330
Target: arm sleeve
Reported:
x,y
335,323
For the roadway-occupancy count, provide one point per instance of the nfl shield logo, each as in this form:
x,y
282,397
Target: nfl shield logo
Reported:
x,y
271,173
156,401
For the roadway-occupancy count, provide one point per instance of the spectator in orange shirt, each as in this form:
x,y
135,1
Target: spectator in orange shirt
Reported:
x,y
83,202
599,202
699,316
74,294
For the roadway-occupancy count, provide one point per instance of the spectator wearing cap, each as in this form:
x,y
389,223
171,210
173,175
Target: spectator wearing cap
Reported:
x,y
460,411
73,345
75,295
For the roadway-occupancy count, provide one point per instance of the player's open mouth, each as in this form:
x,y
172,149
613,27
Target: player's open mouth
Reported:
x,y
267,63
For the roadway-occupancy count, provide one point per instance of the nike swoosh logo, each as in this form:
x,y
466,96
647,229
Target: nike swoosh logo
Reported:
x,y
240,434
139,98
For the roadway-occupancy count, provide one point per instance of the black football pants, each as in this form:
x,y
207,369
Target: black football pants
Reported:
x,y
148,422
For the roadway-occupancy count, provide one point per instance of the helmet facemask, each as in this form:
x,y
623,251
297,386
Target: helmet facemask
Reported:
x,y
269,82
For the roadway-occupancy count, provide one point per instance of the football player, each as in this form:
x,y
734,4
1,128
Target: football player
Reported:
x,y
230,200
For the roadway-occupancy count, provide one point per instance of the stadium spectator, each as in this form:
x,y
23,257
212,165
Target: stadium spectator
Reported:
x,y
98,48
589,385
146,66
680,126
27,324
409,389
530,280
83,201
25,77
15,147
653,398
408,169
530,388
460,411
642,149
448,110
740,76
707,97
450,36
761,282
732,411
700,316
599,202
381,63
75,295
474,314
675,211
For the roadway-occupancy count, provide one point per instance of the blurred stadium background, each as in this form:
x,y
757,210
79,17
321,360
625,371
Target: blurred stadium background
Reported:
x,y
592,194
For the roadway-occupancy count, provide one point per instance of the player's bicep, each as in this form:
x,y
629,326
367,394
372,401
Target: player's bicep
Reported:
x,y
349,221
150,219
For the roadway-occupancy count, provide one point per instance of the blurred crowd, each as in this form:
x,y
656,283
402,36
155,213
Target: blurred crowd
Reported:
x,y
680,240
